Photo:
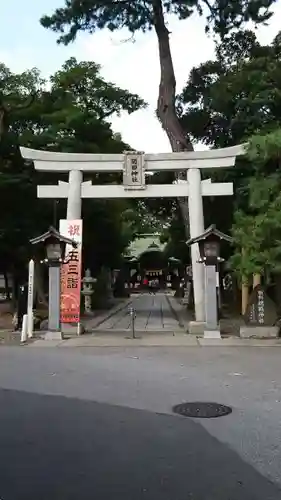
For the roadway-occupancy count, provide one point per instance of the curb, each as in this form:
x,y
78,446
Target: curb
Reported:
x,y
182,341
238,342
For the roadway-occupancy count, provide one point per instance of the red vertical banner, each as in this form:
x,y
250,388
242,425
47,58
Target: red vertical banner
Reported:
x,y
70,295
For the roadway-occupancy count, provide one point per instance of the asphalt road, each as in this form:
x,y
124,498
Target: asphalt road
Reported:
x,y
54,447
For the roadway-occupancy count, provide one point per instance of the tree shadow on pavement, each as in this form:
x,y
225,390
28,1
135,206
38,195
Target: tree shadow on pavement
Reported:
x,y
57,448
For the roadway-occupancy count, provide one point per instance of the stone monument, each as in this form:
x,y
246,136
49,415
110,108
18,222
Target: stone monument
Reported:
x,y
260,316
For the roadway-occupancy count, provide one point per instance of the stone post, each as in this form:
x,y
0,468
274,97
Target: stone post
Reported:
x,y
211,307
30,298
54,330
196,225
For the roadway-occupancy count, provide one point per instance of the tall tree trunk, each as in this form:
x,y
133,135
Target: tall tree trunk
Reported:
x,y
256,280
7,288
245,292
15,284
39,286
244,297
5,110
277,293
3,121
166,110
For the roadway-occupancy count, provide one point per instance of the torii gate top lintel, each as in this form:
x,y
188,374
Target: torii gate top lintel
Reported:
x,y
49,161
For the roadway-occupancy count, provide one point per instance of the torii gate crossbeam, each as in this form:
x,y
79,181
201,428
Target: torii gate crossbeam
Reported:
x,y
113,191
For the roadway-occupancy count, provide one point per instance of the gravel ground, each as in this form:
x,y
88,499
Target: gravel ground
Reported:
x,y
9,337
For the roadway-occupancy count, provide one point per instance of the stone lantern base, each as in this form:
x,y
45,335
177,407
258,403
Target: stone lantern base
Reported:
x,y
53,335
212,334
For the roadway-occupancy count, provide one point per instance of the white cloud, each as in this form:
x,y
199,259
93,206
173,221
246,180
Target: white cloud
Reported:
x,y
18,60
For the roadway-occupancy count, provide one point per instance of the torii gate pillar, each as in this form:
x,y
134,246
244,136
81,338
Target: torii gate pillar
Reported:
x,y
74,200
193,188
196,224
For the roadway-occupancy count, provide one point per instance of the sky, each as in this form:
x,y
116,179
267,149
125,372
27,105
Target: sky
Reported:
x,y
25,44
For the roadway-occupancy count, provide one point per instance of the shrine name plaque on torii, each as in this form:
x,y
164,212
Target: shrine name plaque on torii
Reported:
x,y
135,166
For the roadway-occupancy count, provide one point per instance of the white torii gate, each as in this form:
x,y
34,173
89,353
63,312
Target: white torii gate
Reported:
x,y
191,161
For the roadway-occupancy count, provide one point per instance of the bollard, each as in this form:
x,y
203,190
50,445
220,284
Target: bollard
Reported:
x,y
30,296
133,316
24,329
30,326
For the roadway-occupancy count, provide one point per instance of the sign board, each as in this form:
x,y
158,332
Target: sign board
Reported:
x,y
71,273
134,171
261,310
154,273
30,298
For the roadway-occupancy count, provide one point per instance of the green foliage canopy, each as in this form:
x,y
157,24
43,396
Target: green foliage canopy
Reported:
x,y
68,113
227,100
233,99
90,15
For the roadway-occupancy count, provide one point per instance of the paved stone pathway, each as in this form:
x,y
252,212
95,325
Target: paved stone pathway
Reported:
x,y
153,313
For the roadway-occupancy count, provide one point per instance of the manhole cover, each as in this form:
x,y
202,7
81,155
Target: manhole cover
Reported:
x,y
202,410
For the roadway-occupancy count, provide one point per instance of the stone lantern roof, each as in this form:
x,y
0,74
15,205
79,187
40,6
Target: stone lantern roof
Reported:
x,y
52,233
210,231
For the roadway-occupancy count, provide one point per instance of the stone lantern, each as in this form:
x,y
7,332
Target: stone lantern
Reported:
x,y
209,249
54,244
87,290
